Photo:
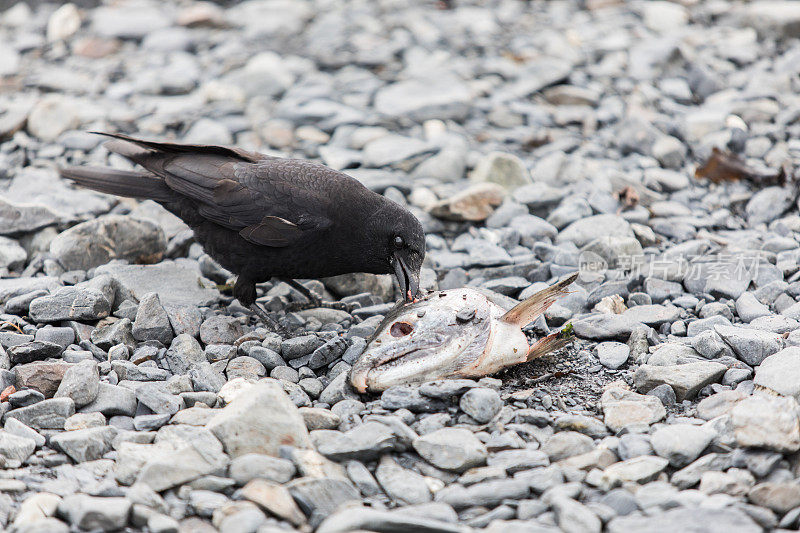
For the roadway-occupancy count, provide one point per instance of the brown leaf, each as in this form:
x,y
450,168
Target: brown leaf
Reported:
x,y
724,166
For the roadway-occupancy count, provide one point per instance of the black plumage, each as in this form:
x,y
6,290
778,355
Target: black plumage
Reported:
x,y
262,217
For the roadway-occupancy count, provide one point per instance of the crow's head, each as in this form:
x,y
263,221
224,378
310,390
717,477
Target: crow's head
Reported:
x,y
401,239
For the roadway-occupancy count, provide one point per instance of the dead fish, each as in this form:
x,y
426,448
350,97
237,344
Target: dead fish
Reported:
x,y
454,333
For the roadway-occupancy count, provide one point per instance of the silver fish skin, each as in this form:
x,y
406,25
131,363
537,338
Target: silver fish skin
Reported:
x,y
451,334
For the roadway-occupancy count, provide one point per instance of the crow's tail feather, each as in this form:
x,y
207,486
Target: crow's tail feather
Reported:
x,y
130,183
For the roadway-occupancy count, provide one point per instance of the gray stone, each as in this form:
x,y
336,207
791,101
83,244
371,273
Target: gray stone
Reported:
x,y
176,282
780,372
112,400
47,414
70,303
96,242
400,484
119,332
260,421
487,494
155,397
15,449
513,461
573,517
366,441
81,383
770,423
583,231
750,345
220,329
451,449
681,443
152,321
502,168
481,404
623,407
91,513
565,444
613,354
686,380
33,351
85,444
728,520
444,97
256,465
364,518
185,459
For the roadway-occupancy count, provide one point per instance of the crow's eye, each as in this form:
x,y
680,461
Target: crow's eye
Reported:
x,y
401,329
399,242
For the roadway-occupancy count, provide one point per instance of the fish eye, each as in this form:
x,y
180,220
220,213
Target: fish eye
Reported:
x,y
401,329
399,242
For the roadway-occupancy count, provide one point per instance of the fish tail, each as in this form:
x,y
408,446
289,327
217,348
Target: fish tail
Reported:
x,y
526,311
551,343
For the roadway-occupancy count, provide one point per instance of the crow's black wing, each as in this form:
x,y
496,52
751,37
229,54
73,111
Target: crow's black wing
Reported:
x,y
269,201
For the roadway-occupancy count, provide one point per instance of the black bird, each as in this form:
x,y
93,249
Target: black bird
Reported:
x,y
262,217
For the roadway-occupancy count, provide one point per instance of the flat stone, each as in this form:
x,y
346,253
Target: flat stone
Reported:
x,y
112,400
640,469
256,465
176,282
70,303
451,449
623,407
188,459
321,496
273,498
85,444
780,497
445,97
486,494
96,242
728,520
366,441
47,414
681,443
33,351
686,380
92,513
369,519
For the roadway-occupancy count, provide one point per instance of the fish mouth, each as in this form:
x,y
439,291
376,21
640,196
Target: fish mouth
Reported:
x,y
367,371
408,280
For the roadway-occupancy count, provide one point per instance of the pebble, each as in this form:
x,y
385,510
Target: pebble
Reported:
x,y
481,404
451,449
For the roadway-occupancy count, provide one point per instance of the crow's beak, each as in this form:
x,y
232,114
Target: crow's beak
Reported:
x,y
406,277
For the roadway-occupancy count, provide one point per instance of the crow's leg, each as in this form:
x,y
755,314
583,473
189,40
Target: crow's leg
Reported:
x,y
245,292
314,301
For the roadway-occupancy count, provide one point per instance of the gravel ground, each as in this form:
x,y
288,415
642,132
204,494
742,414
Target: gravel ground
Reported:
x,y
652,145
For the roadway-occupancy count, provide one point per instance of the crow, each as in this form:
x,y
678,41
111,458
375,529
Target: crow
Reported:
x,y
262,217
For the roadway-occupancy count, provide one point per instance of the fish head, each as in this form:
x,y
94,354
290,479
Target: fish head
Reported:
x,y
426,340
